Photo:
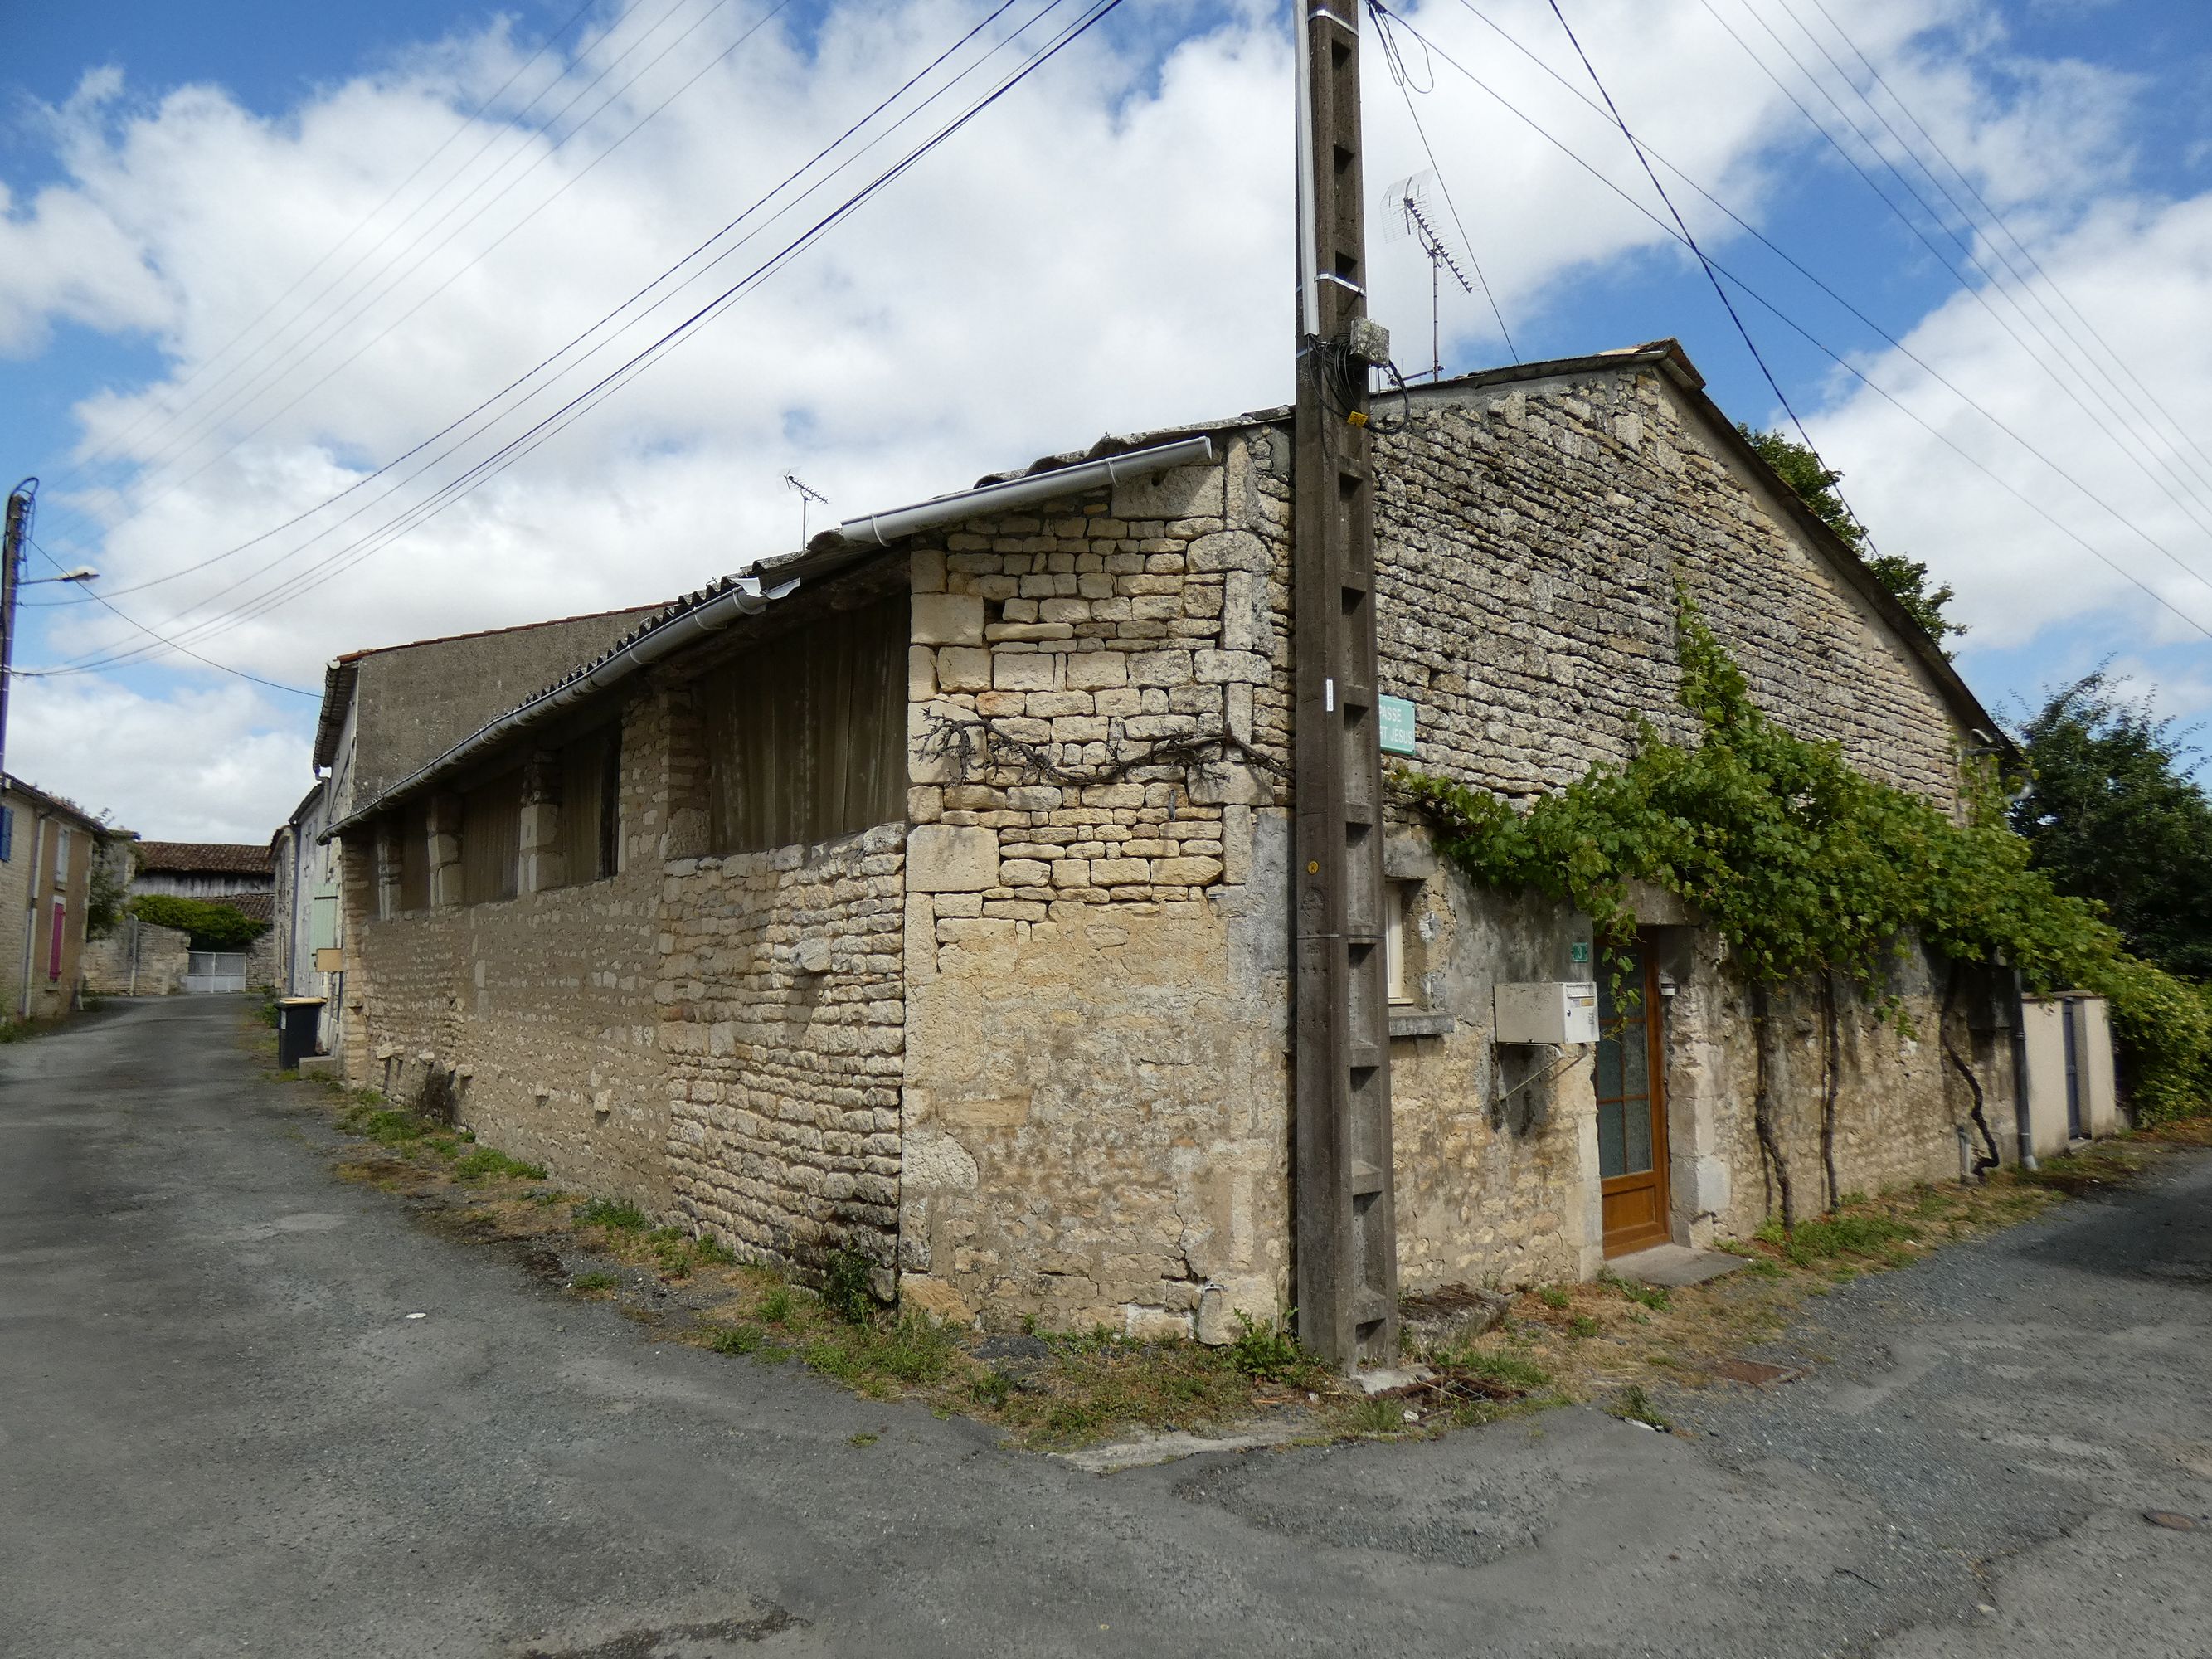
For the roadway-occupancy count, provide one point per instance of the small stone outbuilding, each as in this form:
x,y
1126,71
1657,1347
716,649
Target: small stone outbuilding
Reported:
x,y
925,894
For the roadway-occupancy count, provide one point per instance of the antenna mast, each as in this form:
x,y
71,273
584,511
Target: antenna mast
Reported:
x,y
807,495
1407,205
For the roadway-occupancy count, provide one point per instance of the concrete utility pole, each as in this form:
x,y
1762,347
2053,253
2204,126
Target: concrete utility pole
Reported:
x,y
11,576
1347,1231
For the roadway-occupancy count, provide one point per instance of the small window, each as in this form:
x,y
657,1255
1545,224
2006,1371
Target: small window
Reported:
x,y
415,859
591,806
1398,941
806,733
62,857
491,840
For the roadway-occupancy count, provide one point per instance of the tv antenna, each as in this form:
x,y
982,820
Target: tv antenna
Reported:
x,y
807,496
1406,210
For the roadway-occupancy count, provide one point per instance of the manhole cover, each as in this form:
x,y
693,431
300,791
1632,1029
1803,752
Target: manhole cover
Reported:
x,y
1756,1372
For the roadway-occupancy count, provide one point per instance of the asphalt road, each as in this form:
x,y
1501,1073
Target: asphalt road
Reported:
x,y
222,1433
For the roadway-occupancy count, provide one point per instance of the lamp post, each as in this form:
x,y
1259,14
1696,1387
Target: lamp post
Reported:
x,y
20,501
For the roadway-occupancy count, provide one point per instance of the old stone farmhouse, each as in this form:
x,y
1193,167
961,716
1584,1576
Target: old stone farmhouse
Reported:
x,y
926,894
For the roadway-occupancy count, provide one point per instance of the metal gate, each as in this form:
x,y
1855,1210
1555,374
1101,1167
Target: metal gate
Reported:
x,y
214,970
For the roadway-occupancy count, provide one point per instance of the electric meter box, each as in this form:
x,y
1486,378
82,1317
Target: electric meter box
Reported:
x,y
1548,1011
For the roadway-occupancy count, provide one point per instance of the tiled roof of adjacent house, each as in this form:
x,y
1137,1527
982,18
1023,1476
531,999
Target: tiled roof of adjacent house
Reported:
x,y
260,907
196,857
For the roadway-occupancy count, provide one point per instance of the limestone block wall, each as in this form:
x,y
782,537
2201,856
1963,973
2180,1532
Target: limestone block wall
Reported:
x,y
1528,540
1096,1123
783,1024
137,959
1495,1147
1900,1102
539,1013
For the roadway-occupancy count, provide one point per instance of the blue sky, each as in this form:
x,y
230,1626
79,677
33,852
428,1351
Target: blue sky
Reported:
x,y
171,170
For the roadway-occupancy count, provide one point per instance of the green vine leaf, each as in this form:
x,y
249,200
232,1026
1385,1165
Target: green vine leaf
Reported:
x,y
1805,868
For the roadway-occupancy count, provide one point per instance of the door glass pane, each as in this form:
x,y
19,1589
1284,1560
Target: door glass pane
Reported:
x,y
1608,1064
1612,1158
1624,1081
1637,1135
1635,1057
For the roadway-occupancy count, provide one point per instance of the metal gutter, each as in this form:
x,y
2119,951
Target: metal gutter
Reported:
x,y
745,597
882,529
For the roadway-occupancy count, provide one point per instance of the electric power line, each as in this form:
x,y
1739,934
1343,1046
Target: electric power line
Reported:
x,y
98,597
1691,242
1827,288
108,447
555,357
2020,247
1397,67
1833,355
2192,511
320,335
548,427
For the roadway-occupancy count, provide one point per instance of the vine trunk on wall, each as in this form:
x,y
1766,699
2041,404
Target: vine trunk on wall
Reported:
x,y
1816,875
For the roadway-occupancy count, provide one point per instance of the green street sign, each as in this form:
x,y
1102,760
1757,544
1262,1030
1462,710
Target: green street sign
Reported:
x,y
1579,953
1397,725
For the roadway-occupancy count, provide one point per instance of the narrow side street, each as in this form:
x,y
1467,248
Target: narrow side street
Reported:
x,y
248,1408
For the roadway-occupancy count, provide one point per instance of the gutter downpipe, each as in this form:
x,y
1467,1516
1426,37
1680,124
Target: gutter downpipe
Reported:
x,y
882,529
747,599
2021,1125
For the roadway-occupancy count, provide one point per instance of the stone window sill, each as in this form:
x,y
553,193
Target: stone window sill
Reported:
x,y
1420,1022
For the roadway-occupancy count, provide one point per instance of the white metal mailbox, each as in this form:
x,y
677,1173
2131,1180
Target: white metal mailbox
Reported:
x,y
1547,1011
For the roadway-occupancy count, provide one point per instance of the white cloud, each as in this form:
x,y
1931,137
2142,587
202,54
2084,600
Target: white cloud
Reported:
x,y
112,749
2143,275
1104,249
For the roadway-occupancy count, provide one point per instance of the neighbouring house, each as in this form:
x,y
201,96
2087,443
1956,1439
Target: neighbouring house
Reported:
x,y
386,713
307,909
48,847
926,894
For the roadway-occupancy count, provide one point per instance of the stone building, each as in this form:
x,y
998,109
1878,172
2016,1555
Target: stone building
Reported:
x,y
47,850
925,894
385,713
237,875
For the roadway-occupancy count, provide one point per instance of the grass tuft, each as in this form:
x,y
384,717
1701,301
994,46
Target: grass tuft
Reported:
x,y
1841,1233
1634,1403
1376,1416
616,1215
488,1163
847,1287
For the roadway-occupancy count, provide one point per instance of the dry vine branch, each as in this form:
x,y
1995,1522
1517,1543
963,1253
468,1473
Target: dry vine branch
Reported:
x,y
1832,1084
1762,1109
977,746
1974,1083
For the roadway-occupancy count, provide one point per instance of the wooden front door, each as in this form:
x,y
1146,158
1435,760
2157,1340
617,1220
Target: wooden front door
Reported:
x,y
1631,1101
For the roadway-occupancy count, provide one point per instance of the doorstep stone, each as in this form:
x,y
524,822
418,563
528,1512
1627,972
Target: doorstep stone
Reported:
x,y
1675,1266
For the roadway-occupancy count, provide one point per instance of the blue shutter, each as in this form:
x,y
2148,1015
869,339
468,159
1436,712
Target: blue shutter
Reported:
x,y
7,833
